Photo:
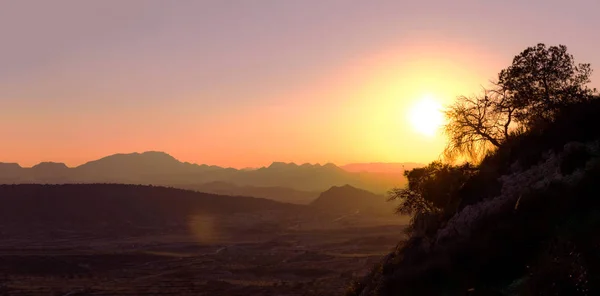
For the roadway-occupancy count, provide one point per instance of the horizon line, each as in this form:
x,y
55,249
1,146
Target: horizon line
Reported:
x,y
318,164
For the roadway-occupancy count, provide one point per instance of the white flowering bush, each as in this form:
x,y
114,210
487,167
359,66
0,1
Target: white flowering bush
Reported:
x,y
515,186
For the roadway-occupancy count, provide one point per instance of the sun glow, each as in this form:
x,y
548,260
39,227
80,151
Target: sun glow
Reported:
x,y
426,116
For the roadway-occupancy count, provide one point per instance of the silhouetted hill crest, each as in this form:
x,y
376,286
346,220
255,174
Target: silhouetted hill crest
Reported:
x,y
10,172
330,165
349,199
9,166
282,165
49,165
277,193
149,157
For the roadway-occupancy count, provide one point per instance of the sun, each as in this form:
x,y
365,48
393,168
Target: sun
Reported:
x,y
426,116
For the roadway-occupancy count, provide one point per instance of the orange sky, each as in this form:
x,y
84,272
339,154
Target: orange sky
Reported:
x,y
354,113
246,85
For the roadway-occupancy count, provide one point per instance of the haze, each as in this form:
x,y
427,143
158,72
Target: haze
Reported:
x,y
244,83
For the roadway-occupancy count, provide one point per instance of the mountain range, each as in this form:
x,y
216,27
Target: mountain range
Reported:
x,y
159,168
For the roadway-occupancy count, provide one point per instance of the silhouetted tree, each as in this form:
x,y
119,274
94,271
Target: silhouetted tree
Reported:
x,y
541,80
478,123
534,88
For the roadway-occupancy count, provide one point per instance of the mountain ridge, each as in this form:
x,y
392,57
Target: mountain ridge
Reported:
x,y
170,157
160,168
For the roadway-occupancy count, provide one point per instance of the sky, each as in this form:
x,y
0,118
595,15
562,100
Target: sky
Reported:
x,y
244,83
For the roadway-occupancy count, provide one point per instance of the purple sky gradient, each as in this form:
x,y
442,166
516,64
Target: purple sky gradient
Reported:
x,y
226,82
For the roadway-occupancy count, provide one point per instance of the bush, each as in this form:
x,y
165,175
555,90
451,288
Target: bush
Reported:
x,y
431,195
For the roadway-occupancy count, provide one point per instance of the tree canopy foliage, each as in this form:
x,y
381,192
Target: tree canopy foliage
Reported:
x,y
477,124
432,189
540,81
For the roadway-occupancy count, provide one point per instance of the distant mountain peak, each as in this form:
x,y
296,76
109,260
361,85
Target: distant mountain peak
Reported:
x,y
10,165
153,155
343,188
50,165
278,164
157,153
136,156
330,165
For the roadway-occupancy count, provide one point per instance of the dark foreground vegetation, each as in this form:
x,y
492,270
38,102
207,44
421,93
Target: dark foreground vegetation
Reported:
x,y
522,217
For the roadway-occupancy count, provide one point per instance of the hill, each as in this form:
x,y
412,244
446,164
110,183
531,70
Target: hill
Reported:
x,y
113,210
350,200
277,193
527,221
159,168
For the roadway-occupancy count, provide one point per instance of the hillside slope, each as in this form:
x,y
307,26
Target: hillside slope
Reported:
x,y
349,200
528,223
277,193
37,212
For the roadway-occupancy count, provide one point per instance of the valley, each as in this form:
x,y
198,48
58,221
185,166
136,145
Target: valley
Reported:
x,y
129,240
